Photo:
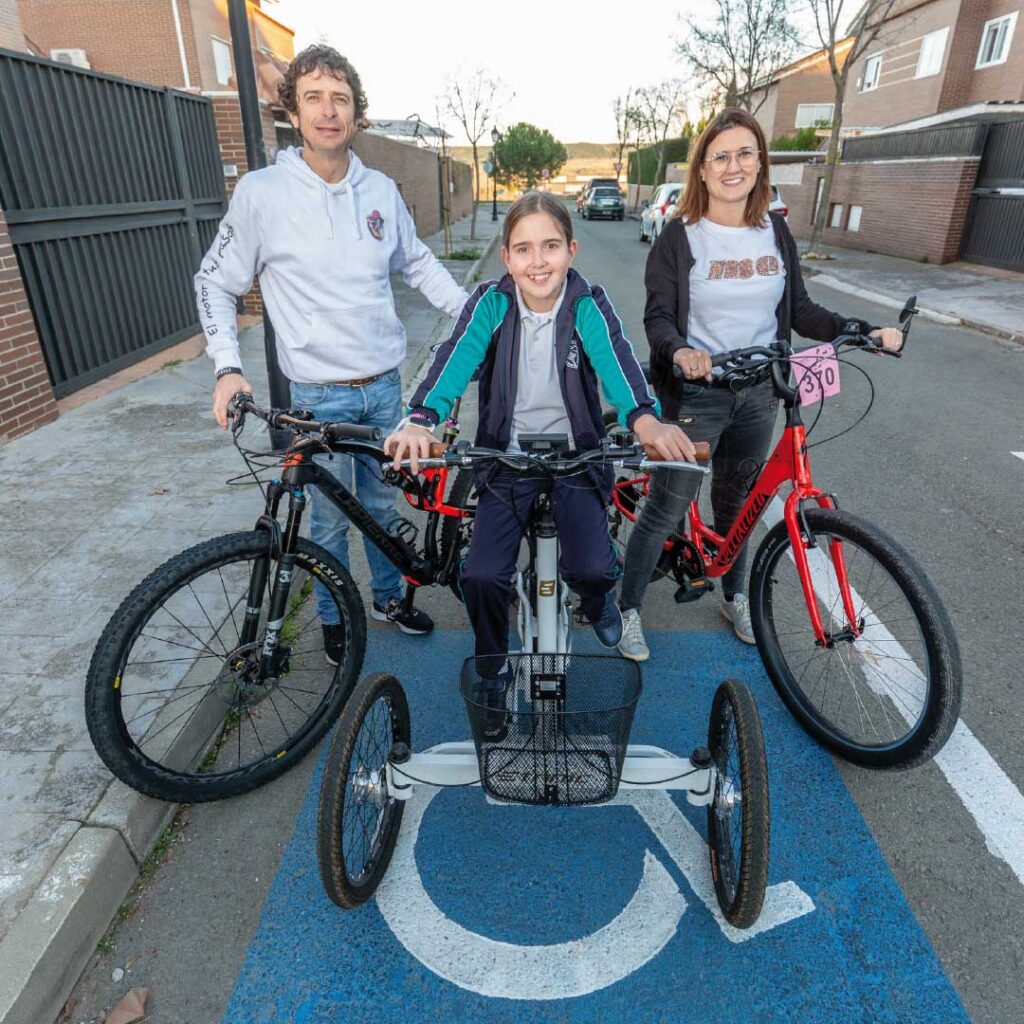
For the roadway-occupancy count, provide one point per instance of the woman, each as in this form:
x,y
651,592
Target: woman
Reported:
x,y
723,274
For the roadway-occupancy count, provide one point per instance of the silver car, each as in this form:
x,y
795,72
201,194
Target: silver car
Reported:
x,y
652,216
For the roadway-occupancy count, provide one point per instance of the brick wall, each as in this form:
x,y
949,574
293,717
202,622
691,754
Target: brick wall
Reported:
x,y
1002,81
26,396
11,36
911,208
135,39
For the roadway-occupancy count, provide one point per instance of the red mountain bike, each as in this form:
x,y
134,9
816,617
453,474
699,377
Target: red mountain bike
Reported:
x,y
852,634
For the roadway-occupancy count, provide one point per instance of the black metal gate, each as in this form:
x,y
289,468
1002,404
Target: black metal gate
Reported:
x,y
995,220
112,191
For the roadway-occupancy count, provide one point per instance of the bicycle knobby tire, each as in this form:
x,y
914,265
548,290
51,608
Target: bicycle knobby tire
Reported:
x,y
201,782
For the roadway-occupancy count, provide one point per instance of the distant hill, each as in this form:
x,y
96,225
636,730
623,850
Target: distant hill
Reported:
x,y
577,150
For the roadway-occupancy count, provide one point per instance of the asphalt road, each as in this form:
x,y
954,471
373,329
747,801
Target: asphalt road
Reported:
x,y
933,466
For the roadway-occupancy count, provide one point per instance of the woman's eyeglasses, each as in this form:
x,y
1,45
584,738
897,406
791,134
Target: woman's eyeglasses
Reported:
x,y
720,162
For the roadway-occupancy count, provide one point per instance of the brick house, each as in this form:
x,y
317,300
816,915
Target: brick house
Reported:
x,y
800,95
183,44
934,56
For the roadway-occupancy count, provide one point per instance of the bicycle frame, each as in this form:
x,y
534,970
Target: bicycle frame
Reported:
x,y
788,463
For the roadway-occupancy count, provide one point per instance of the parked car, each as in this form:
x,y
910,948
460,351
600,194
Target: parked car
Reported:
x,y
777,203
652,216
590,186
604,201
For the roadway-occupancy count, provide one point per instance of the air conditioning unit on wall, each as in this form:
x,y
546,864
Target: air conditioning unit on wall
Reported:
x,y
76,58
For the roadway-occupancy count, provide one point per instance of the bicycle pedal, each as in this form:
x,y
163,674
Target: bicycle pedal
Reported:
x,y
690,590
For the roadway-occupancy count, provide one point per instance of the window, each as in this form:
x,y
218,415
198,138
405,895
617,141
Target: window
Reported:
x,y
995,41
222,61
853,223
837,215
810,114
933,47
872,69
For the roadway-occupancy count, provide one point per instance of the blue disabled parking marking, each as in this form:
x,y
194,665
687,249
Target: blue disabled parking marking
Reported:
x,y
521,915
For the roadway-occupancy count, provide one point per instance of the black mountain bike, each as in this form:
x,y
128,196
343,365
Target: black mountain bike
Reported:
x,y
210,679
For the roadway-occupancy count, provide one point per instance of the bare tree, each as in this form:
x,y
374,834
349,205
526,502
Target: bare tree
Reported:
x,y
474,100
623,122
641,132
739,50
864,29
663,110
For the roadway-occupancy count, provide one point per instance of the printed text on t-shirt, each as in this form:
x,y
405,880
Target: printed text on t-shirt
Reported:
x,y
764,266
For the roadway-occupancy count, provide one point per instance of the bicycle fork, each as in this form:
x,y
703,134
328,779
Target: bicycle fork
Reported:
x,y
279,592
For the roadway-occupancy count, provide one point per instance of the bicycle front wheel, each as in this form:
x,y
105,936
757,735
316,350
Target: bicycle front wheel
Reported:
x,y
182,701
884,690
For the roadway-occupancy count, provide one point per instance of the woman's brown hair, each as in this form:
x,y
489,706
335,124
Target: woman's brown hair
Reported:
x,y
536,202
695,198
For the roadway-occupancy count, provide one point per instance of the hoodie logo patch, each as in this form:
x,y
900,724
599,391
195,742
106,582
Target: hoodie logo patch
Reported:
x,y
375,222
572,360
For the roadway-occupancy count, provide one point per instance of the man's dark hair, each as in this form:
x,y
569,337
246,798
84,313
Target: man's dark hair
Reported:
x,y
326,58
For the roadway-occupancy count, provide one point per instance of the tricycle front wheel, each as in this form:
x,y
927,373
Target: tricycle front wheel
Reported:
x,y
358,819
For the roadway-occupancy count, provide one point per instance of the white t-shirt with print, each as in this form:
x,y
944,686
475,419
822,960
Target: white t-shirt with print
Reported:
x,y
735,286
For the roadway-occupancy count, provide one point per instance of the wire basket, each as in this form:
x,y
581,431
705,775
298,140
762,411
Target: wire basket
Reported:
x,y
551,728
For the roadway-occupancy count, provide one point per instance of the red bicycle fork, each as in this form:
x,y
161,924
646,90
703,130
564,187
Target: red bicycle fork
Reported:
x,y
789,463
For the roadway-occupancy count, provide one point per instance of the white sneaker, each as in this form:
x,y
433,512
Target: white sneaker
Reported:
x,y
632,645
737,611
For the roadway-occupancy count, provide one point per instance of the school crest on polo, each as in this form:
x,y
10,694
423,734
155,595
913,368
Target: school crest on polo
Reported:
x,y
375,222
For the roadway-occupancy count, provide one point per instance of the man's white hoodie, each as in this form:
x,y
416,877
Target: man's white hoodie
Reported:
x,y
323,254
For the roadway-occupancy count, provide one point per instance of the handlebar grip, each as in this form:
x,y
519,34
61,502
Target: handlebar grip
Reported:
x,y
437,450
703,450
356,431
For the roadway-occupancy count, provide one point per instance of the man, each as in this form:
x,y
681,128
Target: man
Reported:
x,y
324,232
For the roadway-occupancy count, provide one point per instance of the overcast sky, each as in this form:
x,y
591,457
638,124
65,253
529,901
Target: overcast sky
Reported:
x,y
566,63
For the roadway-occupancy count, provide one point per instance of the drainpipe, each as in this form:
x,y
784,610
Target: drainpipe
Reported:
x,y
181,44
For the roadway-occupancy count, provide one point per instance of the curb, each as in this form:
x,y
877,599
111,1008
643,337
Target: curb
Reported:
x,y
935,315
55,933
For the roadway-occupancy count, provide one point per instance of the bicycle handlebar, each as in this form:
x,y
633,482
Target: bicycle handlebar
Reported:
x,y
743,359
244,403
632,456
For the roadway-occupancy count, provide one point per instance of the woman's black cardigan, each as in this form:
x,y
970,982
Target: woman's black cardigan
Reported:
x,y
667,313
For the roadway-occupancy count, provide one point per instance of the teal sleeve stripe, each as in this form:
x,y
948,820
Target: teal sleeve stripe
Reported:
x,y
467,353
597,343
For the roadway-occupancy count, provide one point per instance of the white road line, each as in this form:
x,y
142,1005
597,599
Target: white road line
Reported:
x,y
1020,455
994,802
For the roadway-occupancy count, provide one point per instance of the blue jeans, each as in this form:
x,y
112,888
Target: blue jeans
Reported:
x,y
378,405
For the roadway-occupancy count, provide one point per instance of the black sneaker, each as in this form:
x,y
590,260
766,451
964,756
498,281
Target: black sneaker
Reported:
x,y
334,643
410,620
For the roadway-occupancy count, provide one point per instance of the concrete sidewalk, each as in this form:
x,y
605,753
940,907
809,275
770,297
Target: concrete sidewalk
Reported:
x,y
983,298
93,502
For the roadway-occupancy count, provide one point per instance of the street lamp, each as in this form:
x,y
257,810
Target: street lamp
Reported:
x,y
495,139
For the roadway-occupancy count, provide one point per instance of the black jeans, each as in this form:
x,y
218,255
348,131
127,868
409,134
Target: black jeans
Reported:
x,y
738,426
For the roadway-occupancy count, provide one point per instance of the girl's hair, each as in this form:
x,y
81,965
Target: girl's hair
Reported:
x,y
536,202
695,197
323,58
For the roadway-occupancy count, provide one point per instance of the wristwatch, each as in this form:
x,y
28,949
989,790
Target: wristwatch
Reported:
x,y
227,371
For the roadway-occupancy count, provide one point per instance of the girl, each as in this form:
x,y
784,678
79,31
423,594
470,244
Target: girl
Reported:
x,y
542,338
723,274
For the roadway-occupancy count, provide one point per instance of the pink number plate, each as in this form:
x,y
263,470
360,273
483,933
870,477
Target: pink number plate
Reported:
x,y
817,373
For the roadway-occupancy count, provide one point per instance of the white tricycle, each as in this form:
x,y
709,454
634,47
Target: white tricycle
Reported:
x,y
553,731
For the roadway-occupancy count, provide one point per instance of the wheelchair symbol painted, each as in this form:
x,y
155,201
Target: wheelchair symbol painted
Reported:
x,y
504,970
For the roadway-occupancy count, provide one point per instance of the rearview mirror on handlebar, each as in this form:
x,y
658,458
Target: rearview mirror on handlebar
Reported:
x,y
909,310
